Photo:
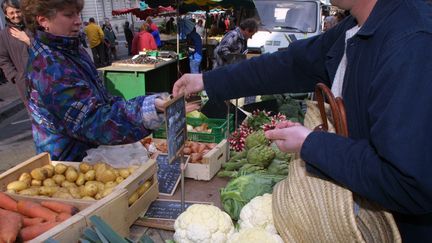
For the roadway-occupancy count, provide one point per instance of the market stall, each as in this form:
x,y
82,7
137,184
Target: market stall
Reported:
x,y
129,78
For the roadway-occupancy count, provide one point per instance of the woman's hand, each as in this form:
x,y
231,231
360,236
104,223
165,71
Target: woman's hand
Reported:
x,y
289,136
188,84
20,35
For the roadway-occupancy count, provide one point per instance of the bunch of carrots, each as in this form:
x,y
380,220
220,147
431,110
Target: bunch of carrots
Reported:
x,y
25,220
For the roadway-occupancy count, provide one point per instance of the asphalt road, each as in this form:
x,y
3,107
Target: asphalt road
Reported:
x,y
16,141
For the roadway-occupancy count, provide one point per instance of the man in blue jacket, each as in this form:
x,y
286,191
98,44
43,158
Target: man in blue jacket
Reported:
x,y
379,61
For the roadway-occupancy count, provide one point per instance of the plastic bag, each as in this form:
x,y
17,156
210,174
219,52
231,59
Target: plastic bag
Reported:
x,y
118,156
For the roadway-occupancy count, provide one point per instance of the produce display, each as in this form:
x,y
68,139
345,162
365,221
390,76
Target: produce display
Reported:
x,y
142,59
201,128
88,182
207,223
196,150
27,220
140,191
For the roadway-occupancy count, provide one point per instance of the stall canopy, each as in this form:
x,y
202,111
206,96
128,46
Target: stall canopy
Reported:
x,y
145,13
206,5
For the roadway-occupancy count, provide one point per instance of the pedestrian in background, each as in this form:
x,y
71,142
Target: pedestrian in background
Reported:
x,y
110,41
129,36
96,37
14,42
143,40
234,43
195,51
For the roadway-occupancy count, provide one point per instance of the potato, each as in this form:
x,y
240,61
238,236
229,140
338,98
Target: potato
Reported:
x,y
116,172
71,174
90,190
99,165
90,175
133,198
25,177
80,180
11,191
82,191
132,169
36,182
110,184
64,189
68,184
17,186
49,182
99,185
34,191
39,174
48,190
60,169
106,176
59,179
119,179
84,167
75,192
106,192
144,188
64,195
87,198
50,170
98,196
124,173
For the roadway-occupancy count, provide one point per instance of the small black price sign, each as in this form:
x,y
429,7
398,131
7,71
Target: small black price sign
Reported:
x,y
175,117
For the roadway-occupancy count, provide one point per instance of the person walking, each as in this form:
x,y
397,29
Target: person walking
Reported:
x,y
14,42
129,36
110,41
96,37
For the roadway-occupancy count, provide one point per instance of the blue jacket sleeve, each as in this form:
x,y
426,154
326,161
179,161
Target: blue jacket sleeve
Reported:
x,y
292,70
89,116
393,167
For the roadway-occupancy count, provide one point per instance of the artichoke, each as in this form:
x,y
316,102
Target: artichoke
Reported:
x,y
261,155
255,139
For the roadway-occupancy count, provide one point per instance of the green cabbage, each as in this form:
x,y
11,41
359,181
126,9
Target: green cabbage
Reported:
x,y
239,191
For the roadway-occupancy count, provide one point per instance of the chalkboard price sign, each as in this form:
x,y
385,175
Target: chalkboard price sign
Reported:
x,y
175,116
165,209
168,174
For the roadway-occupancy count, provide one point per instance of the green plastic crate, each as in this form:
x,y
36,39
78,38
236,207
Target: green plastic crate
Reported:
x,y
218,127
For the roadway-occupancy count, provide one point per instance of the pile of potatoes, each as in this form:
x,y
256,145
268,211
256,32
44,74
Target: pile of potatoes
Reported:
x,y
90,182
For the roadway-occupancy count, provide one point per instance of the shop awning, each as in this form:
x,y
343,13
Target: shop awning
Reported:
x,y
144,14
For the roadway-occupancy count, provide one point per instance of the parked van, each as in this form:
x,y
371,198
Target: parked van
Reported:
x,y
284,21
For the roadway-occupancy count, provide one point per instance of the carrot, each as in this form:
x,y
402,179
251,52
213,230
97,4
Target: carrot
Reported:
x,y
63,216
60,207
32,221
7,202
35,210
10,224
31,232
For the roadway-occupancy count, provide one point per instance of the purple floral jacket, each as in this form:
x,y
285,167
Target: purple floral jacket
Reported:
x,y
71,111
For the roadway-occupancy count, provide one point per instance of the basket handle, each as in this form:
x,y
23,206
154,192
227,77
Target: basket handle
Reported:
x,y
337,108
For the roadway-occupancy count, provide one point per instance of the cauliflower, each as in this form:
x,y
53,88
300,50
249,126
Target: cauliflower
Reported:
x,y
254,235
203,223
258,213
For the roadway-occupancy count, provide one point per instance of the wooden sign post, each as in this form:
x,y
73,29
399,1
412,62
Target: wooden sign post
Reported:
x,y
175,117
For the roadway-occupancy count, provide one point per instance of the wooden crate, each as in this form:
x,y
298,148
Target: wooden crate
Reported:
x,y
113,209
211,163
140,176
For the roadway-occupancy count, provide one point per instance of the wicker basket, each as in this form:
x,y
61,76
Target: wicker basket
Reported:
x,y
310,209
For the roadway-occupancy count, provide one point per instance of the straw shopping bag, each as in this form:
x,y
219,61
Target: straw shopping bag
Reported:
x,y
311,209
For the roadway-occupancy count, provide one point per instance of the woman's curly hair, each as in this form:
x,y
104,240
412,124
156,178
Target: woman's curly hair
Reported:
x,y
47,8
